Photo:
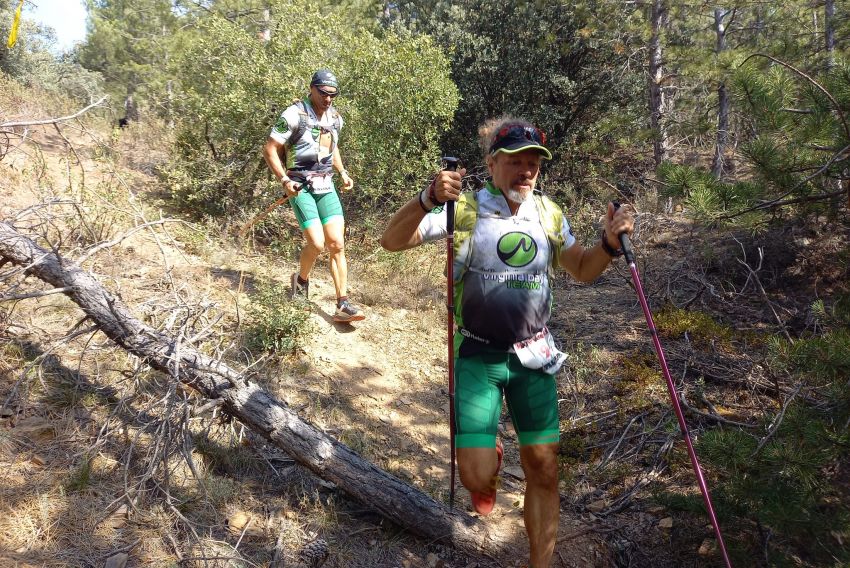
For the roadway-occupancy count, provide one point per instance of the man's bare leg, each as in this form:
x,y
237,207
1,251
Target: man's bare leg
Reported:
x,y
542,503
477,467
334,233
315,237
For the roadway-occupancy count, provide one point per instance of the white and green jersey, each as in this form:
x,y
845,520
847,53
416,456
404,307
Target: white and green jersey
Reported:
x,y
318,136
502,263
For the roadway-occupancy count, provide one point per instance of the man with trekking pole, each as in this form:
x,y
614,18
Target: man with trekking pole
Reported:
x,y
506,240
311,129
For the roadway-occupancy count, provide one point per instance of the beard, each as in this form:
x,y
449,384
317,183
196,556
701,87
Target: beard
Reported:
x,y
516,196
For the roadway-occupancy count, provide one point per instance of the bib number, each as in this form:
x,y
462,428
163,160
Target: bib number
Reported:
x,y
539,352
321,184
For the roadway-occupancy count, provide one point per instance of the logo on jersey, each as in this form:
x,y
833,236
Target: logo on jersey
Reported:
x,y
517,249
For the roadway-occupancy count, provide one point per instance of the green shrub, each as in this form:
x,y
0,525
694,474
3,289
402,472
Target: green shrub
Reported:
x,y
702,330
787,477
782,486
80,478
704,196
276,323
396,98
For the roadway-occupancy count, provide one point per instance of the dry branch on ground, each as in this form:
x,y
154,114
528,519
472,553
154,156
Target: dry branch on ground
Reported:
x,y
250,404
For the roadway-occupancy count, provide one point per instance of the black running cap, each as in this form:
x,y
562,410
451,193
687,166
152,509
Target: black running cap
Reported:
x,y
324,78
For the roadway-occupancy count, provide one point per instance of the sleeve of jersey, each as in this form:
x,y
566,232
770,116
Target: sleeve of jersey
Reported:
x,y
567,234
284,126
433,227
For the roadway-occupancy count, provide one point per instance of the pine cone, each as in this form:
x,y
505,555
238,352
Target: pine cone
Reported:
x,y
314,554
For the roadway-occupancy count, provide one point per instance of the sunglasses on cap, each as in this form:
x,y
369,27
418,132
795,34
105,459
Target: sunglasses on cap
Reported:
x,y
511,133
325,93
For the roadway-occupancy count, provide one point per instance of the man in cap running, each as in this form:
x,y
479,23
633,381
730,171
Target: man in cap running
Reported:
x,y
506,240
311,128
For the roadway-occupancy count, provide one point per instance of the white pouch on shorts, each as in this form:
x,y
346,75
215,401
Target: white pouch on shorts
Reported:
x,y
539,352
322,183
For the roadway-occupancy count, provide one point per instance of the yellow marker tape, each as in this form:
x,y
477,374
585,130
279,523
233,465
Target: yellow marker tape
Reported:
x,y
16,23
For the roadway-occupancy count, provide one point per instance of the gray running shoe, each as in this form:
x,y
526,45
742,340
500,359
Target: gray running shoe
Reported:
x,y
347,312
299,290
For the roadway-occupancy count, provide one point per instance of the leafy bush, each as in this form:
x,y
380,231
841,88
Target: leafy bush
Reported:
x,y
796,128
782,486
396,99
554,63
705,196
275,323
787,478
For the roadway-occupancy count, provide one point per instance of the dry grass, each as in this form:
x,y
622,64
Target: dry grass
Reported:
x,y
412,280
79,424
105,470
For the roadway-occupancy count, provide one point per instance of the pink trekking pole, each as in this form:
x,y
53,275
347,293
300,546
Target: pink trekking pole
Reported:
x,y
674,395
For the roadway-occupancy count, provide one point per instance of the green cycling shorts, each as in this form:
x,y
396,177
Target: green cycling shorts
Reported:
x,y
530,394
311,209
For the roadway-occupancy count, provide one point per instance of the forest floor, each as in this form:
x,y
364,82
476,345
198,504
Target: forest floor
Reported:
x,y
71,433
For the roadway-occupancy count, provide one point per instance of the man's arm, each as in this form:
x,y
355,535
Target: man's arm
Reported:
x,y
586,264
271,153
402,232
347,182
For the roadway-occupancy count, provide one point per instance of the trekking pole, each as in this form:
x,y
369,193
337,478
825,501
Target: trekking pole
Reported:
x,y
671,387
266,212
451,165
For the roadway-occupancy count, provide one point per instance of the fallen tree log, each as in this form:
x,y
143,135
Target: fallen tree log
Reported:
x,y
252,405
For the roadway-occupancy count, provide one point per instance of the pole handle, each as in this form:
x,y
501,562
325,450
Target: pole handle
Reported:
x,y
267,211
625,242
450,163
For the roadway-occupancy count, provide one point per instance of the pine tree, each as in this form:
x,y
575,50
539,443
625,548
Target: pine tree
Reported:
x,y
554,63
129,42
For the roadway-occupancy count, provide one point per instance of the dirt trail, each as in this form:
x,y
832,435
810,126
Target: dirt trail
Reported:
x,y
380,385
389,373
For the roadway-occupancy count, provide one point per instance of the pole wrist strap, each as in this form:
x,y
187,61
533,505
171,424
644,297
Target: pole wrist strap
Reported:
x,y
425,202
611,251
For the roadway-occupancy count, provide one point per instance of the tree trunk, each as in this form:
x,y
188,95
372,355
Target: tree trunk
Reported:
x,y
829,31
657,98
758,25
266,34
252,405
718,165
131,111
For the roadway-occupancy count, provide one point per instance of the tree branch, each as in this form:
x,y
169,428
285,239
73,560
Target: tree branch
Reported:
x,y
252,405
34,294
53,120
820,87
